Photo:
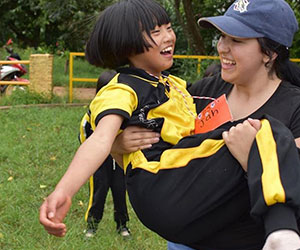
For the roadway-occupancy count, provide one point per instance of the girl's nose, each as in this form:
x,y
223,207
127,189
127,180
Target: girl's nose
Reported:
x,y
169,35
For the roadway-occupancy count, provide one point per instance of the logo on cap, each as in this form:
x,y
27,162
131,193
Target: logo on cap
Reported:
x,y
241,5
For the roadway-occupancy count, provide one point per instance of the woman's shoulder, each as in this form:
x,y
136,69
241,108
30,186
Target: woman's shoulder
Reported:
x,y
288,92
289,89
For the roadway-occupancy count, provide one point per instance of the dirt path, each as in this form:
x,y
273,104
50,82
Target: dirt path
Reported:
x,y
78,93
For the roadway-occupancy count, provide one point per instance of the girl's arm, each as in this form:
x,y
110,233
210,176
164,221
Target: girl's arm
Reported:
x,y
89,156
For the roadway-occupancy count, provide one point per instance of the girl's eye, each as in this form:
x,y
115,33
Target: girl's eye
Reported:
x,y
155,31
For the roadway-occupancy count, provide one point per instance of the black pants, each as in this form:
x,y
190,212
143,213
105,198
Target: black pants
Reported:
x,y
109,175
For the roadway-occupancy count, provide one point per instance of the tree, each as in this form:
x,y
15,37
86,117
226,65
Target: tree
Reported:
x,y
188,12
35,22
47,23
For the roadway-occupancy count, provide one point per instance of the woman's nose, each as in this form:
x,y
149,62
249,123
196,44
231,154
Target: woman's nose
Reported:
x,y
222,45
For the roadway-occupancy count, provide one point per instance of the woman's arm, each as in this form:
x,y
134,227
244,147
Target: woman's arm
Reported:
x,y
89,156
134,138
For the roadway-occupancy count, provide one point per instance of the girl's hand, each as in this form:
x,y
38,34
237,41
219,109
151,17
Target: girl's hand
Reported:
x,y
134,138
239,139
53,211
282,240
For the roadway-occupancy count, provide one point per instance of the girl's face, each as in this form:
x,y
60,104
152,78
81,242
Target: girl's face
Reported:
x,y
159,57
241,59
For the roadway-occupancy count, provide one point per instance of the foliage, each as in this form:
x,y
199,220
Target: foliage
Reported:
x,y
203,8
60,26
295,50
45,23
37,144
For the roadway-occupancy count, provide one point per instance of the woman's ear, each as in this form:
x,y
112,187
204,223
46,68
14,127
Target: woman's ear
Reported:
x,y
269,59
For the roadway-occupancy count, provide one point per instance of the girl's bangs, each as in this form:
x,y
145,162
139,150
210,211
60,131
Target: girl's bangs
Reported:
x,y
157,16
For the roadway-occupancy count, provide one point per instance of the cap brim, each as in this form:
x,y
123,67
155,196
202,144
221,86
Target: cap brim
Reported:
x,y
229,25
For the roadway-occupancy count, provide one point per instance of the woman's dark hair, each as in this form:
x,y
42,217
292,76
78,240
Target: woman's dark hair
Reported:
x,y
283,67
118,32
105,78
212,69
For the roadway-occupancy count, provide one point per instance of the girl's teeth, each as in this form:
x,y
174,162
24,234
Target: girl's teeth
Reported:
x,y
167,50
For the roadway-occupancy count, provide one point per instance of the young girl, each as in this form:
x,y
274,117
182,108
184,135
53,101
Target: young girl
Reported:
x,y
162,182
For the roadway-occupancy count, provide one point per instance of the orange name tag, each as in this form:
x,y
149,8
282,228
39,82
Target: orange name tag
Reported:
x,y
213,115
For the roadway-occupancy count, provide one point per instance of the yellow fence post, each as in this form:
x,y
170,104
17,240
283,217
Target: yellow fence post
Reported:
x,y
71,78
199,66
74,79
40,76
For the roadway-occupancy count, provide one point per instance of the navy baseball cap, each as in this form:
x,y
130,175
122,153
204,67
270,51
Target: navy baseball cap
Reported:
x,y
273,19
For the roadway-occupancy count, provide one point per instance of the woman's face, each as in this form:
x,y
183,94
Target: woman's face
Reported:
x,y
159,57
241,59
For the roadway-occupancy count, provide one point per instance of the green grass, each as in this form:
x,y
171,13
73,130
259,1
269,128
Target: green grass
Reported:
x,y
36,146
23,96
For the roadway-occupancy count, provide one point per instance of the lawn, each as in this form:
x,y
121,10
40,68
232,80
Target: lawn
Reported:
x,y
36,146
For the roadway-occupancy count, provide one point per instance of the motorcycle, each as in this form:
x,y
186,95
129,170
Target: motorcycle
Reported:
x,y
12,72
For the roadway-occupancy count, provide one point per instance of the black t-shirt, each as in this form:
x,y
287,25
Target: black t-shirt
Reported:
x,y
284,105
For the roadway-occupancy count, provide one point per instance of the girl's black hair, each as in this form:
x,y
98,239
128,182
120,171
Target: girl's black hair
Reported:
x,y
283,67
118,32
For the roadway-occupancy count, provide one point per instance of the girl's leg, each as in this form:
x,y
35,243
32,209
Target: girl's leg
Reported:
x,y
118,189
99,185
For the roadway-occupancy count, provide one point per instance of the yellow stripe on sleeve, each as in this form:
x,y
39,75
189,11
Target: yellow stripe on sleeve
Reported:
x,y
273,190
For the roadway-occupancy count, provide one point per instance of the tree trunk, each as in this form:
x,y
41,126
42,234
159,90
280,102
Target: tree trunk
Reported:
x,y
182,23
193,29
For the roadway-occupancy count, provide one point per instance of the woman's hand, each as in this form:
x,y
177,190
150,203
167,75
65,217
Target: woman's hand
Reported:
x,y
239,139
134,138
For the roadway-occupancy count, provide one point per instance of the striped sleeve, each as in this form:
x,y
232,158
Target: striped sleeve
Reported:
x,y
274,176
113,99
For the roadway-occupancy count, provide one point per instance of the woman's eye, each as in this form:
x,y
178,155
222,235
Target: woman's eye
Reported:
x,y
236,41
